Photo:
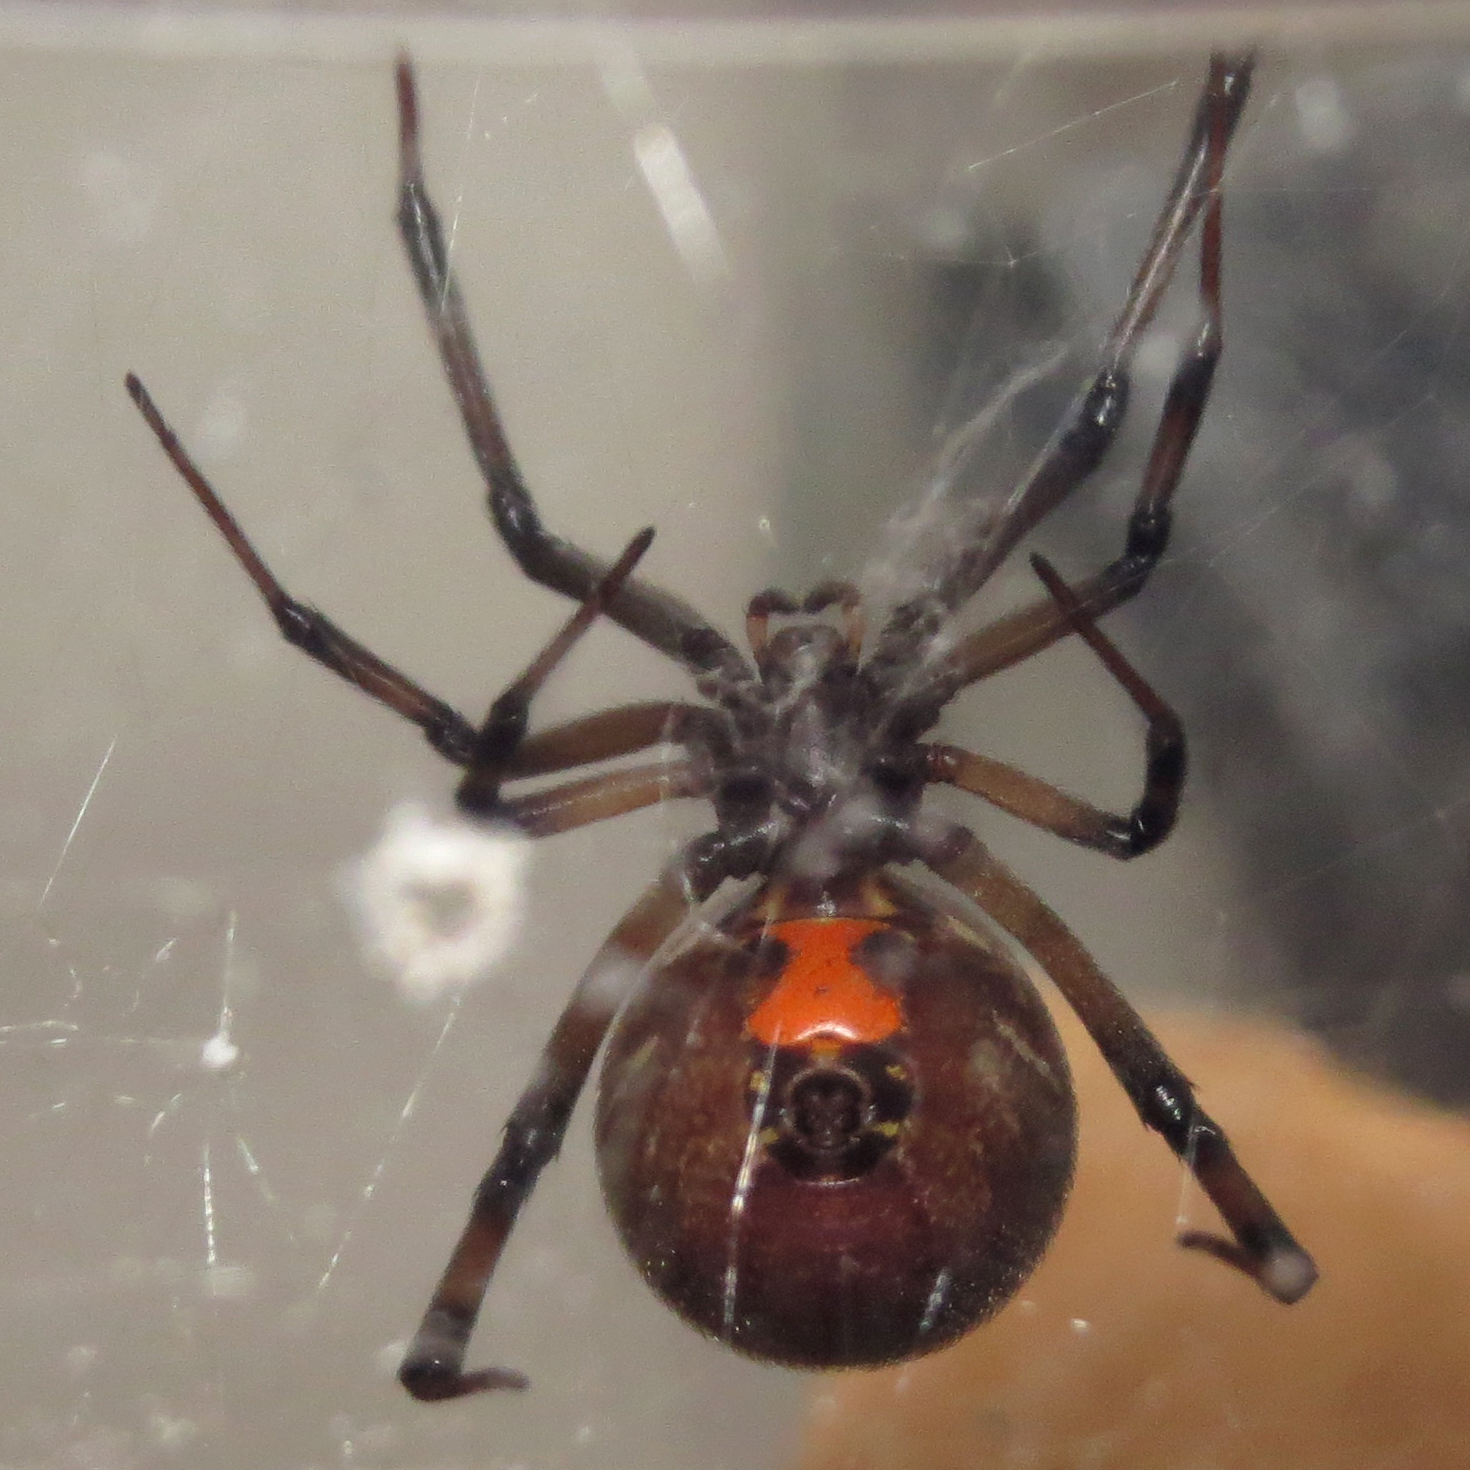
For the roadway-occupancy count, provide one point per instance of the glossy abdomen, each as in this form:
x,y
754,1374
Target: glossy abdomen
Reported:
x,y
836,1139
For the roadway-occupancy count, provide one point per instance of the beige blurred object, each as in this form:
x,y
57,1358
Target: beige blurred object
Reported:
x,y
1125,1351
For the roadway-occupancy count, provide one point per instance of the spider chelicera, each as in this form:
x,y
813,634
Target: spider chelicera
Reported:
x,y
836,1127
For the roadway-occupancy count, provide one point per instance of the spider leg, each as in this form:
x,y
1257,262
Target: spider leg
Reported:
x,y
1017,636
1079,447
501,740
504,727
577,803
660,619
843,595
1166,750
615,732
758,613
1165,754
302,625
1261,1246
434,1365
499,747
609,794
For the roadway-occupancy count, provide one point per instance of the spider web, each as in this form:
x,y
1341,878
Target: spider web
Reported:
x,y
744,304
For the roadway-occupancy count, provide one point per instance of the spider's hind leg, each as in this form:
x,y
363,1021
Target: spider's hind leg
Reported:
x,y
433,1367
1260,1245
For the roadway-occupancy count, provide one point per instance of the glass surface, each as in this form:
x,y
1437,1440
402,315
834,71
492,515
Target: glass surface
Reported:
x,y
740,293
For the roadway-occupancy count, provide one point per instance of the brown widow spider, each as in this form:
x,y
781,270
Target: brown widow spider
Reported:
x,y
836,1128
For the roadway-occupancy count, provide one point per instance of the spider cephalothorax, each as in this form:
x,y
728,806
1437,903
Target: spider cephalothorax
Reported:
x,y
803,772
835,1125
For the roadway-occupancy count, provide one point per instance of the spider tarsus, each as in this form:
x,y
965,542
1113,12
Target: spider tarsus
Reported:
x,y
433,1383
143,399
408,115
1165,746
1283,1270
628,560
1263,1248
1288,1273
432,1371
1229,1251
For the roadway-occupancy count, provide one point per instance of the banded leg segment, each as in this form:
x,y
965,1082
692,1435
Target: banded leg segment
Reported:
x,y
1079,448
504,727
660,619
1119,835
302,625
1260,1245
434,1365
596,798
614,732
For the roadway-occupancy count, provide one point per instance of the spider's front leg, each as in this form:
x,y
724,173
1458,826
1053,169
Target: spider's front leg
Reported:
x,y
1075,453
1261,1245
660,619
434,1365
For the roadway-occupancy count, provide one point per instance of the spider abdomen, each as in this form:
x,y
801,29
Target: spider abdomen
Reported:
x,y
836,1139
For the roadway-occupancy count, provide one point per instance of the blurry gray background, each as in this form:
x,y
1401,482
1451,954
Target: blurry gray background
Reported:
x,y
214,1269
